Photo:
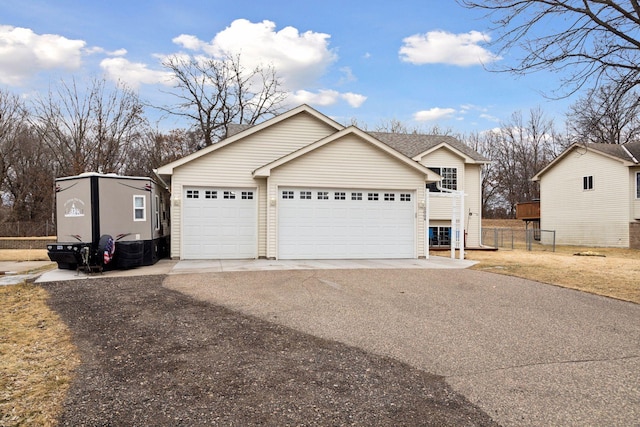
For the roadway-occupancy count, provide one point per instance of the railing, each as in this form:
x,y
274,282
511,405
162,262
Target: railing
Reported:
x,y
528,210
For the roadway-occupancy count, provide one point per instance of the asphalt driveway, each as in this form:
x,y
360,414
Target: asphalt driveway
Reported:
x,y
524,352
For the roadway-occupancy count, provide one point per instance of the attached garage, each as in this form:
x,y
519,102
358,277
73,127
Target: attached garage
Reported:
x,y
300,186
219,223
332,223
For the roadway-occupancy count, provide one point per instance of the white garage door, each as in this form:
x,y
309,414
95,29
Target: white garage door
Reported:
x,y
345,224
219,223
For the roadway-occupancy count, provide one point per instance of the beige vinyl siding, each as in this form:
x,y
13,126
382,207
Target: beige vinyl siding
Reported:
x,y
473,204
232,166
349,163
598,217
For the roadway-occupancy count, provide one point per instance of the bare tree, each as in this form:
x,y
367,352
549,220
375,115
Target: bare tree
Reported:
x,y
213,93
518,149
29,180
593,39
156,149
89,130
605,116
13,118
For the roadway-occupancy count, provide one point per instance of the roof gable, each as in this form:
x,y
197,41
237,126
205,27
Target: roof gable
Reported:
x,y
242,132
621,153
265,170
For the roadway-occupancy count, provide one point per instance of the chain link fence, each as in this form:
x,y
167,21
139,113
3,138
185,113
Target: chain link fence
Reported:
x,y
532,239
27,229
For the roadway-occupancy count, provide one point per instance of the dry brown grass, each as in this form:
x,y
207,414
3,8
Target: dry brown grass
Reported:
x,y
37,358
23,255
616,274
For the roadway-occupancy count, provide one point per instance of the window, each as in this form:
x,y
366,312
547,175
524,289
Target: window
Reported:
x,y
356,196
637,185
248,195
449,179
439,236
156,213
323,195
193,194
405,197
338,195
230,195
587,182
372,196
210,194
389,197
287,195
305,195
139,213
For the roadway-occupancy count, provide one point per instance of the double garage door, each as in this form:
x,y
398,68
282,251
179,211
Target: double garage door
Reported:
x,y
221,223
345,224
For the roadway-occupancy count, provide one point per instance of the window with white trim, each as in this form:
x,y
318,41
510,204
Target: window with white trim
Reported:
x,y
449,179
139,211
587,182
405,197
372,196
637,185
287,194
156,213
230,195
389,197
439,236
247,195
323,195
339,195
305,195
193,194
356,196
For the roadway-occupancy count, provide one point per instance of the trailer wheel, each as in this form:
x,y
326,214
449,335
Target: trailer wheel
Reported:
x,y
106,249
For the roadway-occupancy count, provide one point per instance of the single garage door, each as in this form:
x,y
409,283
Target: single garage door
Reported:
x,y
345,224
219,223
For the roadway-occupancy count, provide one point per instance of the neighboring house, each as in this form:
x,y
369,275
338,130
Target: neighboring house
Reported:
x,y
590,195
302,186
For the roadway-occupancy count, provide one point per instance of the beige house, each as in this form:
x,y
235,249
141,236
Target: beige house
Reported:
x,y
302,186
590,195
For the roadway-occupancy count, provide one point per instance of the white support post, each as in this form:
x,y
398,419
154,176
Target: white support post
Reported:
x,y
426,223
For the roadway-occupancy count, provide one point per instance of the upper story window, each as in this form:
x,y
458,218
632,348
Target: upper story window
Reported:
x,y
637,185
587,182
449,179
139,213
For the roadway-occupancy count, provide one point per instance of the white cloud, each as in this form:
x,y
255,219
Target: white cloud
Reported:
x,y
134,73
489,117
354,99
299,58
433,114
441,47
24,53
326,97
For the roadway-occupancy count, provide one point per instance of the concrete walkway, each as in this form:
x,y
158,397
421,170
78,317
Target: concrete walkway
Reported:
x,y
171,267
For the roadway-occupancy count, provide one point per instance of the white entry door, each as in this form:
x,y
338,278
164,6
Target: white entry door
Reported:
x,y
346,224
219,223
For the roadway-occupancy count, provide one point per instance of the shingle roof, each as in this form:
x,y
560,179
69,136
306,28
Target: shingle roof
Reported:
x,y
413,144
618,150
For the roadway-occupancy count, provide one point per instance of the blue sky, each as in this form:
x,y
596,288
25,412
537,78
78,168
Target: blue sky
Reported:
x,y
417,61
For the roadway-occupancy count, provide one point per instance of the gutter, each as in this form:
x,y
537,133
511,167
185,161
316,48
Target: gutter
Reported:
x,y
166,186
630,155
